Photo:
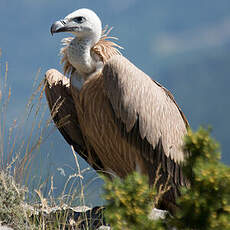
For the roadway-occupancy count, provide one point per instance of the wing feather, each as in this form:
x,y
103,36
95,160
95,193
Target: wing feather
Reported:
x,y
63,112
134,97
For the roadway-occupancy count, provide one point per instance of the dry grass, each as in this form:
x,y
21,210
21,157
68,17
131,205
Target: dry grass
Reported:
x,y
19,146
20,142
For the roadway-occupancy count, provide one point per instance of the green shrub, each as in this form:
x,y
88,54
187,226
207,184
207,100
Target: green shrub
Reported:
x,y
206,204
129,203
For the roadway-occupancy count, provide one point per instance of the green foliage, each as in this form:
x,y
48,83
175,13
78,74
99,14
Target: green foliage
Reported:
x,y
206,205
129,203
11,203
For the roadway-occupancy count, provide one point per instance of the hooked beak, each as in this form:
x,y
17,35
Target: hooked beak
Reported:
x,y
61,26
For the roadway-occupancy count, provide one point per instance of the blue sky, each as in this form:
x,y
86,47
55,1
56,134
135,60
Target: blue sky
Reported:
x,y
149,31
182,44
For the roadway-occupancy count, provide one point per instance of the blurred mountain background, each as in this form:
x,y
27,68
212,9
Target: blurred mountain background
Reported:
x,y
185,45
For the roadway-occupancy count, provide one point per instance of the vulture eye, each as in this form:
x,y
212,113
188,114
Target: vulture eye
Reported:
x,y
79,19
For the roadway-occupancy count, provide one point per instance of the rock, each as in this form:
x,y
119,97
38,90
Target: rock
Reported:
x,y
104,228
157,214
81,217
5,228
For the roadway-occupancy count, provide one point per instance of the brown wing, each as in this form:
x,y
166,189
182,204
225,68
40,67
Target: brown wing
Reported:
x,y
61,104
151,120
134,96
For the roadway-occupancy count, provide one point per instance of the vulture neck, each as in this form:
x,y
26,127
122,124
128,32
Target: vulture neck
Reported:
x,y
80,56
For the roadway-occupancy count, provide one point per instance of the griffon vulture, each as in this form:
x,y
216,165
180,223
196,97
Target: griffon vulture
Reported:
x,y
113,114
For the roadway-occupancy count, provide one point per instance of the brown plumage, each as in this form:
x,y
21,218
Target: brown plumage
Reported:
x,y
120,120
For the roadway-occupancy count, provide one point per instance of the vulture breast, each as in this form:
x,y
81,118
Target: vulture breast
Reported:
x,y
102,130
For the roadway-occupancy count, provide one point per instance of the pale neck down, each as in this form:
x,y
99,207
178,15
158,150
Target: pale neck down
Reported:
x,y
79,55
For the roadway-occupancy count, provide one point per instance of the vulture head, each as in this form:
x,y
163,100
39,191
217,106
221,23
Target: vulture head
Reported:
x,y
82,23
86,27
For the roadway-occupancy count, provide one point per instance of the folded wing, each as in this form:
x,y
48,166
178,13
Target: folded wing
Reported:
x,y
63,112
